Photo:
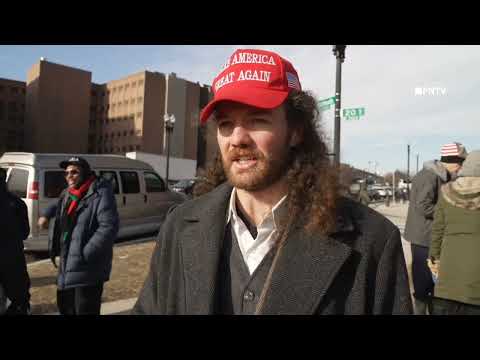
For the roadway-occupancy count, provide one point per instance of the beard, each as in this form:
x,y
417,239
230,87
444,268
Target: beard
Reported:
x,y
266,171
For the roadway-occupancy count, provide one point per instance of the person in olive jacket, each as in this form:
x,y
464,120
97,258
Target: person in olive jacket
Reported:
x,y
423,197
84,232
455,246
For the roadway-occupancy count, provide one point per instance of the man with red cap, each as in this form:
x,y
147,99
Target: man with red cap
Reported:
x,y
271,234
418,228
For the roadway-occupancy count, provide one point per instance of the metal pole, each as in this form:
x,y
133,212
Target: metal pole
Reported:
x,y
408,171
393,186
339,52
417,165
167,128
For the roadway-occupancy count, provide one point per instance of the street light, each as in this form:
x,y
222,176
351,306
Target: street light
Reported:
x,y
339,53
169,121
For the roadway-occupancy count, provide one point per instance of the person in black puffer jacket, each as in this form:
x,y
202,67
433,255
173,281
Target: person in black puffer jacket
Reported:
x,y
83,235
13,268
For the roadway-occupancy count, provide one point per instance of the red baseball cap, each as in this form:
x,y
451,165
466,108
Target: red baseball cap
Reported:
x,y
253,77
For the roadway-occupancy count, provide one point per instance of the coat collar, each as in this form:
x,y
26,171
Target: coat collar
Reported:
x,y
305,269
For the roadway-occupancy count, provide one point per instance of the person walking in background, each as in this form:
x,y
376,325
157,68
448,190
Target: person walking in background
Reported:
x,y
423,198
84,232
14,278
455,247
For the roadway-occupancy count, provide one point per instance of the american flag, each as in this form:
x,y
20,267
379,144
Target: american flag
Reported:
x,y
450,150
293,81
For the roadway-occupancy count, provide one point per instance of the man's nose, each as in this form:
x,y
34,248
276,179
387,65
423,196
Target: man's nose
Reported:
x,y
240,136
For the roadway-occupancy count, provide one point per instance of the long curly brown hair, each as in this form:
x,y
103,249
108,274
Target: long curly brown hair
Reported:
x,y
313,181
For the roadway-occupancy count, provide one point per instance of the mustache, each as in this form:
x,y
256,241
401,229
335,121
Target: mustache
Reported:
x,y
236,154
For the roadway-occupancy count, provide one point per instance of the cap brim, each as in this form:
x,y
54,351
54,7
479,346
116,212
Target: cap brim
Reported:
x,y
256,97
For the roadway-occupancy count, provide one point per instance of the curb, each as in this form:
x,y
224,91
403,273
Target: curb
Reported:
x,y
119,307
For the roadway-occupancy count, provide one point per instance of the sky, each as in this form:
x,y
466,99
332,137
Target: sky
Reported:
x,y
417,95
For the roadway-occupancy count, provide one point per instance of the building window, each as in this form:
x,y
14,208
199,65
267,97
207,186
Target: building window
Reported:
x,y
140,82
137,147
132,132
130,148
13,90
124,148
12,107
139,100
132,102
134,84
139,132
125,133
139,115
120,88
1,88
93,93
23,91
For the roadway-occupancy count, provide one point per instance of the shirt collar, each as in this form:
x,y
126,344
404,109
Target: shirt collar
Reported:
x,y
277,212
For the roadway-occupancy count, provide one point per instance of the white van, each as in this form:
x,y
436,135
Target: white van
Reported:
x,y
142,196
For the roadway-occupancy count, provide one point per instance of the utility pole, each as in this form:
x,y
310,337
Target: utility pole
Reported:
x,y
339,52
393,186
417,164
408,171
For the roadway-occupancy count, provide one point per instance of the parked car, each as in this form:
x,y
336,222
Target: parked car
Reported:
x,y
185,186
379,192
142,197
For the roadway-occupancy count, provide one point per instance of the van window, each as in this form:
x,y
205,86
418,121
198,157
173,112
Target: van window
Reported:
x,y
54,184
112,177
130,183
154,183
17,182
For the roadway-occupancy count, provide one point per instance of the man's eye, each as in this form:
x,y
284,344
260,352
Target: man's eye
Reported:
x,y
260,121
224,124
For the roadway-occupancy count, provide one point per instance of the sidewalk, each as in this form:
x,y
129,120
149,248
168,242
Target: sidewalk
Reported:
x,y
397,213
119,307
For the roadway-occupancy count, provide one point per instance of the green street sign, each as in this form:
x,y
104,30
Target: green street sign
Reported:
x,y
356,113
326,104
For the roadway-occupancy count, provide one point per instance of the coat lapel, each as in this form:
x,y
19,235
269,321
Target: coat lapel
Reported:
x,y
306,268
202,240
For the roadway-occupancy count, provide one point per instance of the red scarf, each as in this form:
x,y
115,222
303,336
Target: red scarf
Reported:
x,y
77,194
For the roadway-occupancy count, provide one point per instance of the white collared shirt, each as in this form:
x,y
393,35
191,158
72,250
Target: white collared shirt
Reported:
x,y
254,250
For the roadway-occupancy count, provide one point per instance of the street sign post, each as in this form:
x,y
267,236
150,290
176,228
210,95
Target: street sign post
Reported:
x,y
326,104
353,114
